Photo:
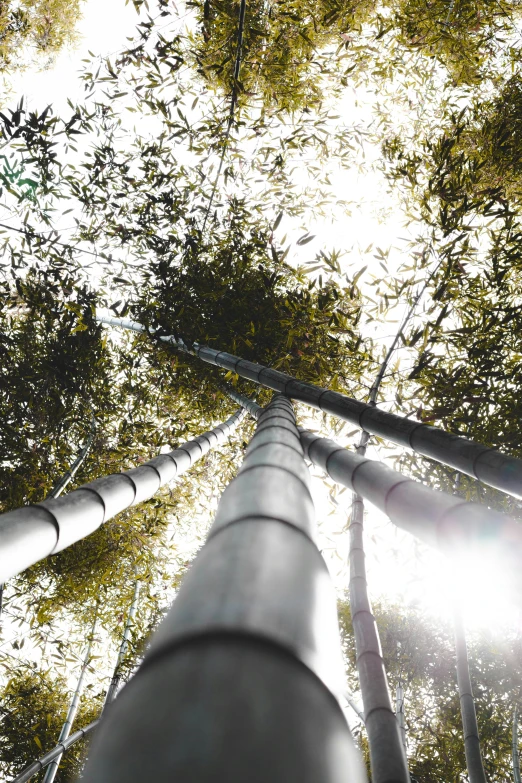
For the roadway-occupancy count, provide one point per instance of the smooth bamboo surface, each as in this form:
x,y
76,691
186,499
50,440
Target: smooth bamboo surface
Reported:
x,y
483,463
36,766
31,533
243,679
440,520
474,764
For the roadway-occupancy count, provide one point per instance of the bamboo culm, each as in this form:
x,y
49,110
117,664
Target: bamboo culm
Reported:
x,y
516,758
52,769
32,533
399,712
440,520
467,705
387,753
247,664
116,677
78,462
483,463
62,747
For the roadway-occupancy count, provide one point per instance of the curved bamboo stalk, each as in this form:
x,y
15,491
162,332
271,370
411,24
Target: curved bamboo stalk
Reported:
x,y
115,679
467,704
32,533
243,679
516,758
78,462
36,766
438,519
52,769
483,463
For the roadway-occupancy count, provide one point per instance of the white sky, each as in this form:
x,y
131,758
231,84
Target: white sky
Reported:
x,y
399,569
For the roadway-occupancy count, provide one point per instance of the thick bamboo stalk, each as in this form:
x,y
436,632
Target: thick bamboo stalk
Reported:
x,y
467,705
436,518
62,747
516,759
483,463
116,677
78,462
52,769
32,533
244,677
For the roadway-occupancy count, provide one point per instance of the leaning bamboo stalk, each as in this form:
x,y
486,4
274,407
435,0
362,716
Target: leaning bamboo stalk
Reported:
x,y
467,705
516,759
62,747
31,533
52,769
76,465
116,677
243,681
483,463
438,519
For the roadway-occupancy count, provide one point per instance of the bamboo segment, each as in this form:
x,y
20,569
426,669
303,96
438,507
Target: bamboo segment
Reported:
x,y
438,519
399,712
243,679
483,463
467,705
34,532
36,766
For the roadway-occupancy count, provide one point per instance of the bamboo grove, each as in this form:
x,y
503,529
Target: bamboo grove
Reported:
x,y
177,348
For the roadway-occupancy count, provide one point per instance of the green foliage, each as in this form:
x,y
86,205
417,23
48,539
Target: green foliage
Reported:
x,y
282,43
33,709
425,660
45,26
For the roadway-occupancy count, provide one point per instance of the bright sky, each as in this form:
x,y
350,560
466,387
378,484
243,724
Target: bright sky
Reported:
x,y
399,569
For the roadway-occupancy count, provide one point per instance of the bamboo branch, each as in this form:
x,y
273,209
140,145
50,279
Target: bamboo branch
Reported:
x,y
115,679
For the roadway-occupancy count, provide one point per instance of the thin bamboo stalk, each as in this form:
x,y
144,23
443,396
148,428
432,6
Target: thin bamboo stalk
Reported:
x,y
116,676
399,712
516,758
32,533
243,681
467,704
52,769
438,519
483,463
78,462
62,747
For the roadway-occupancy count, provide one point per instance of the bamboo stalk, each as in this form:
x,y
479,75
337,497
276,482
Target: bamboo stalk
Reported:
x,y
52,769
78,462
399,712
62,747
467,704
483,463
115,679
243,680
516,758
32,533
440,520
